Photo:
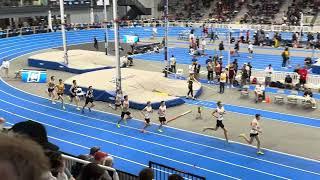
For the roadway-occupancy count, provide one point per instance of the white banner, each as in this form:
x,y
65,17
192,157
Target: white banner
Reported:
x,y
100,2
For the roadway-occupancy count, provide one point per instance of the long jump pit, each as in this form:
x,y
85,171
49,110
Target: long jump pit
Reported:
x,y
80,61
140,86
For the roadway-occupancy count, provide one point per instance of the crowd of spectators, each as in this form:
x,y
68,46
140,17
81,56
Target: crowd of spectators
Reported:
x,y
307,7
226,10
262,12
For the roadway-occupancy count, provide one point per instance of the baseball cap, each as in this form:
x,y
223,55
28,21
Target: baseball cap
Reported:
x,y
94,149
100,155
36,132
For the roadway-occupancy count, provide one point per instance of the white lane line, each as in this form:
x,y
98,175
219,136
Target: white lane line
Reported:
x,y
120,145
247,114
177,149
275,151
271,162
85,147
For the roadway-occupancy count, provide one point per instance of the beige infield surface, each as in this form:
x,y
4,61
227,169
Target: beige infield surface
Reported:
x,y
140,85
78,59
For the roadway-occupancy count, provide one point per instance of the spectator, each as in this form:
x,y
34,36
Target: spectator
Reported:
x,y
36,132
249,69
175,177
288,81
100,157
285,57
303,72
244,75
5,65
309,96
210,71
95,43
93,150
109,163
57,166
235,65
223,81
173,63
259,92
21,159
146,174
221,48
308,62
268,71
93,171
203,44
76,168
231,74
236,48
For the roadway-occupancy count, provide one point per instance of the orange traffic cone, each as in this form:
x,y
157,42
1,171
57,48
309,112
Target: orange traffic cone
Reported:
x,y
268,99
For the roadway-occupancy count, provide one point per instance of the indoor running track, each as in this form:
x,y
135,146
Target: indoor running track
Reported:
x,y
76,133
202,155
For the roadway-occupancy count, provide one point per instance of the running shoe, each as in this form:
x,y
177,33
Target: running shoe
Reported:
x,y
53,102
260,153
78,109
160,130
63,107
125,121
118,125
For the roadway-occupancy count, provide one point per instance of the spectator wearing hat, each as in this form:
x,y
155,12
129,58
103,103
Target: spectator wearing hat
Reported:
x,y
36,132
93,150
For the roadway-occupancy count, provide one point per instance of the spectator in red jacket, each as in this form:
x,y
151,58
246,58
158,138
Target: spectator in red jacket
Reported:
x,y
303,72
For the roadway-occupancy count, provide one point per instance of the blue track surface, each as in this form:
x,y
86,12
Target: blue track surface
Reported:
x,y
199,154
259,61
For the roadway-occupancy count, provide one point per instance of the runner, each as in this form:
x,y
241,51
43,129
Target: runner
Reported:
x,y
254,133
147,111
125,111
73,94
60,90
51,86
218,113
162,115
89,99
250,49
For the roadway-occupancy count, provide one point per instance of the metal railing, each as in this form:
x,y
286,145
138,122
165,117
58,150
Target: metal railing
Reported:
x,y
162,172
118,175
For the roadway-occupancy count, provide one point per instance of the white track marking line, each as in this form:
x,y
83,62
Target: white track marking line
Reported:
x,y
177,149
97,119
123,146
275,151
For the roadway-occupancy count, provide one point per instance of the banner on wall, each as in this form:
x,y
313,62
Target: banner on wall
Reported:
x,y
130,39
100,2
34,76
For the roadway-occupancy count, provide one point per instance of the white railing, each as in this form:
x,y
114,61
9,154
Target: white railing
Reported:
x,y
313,80
70,161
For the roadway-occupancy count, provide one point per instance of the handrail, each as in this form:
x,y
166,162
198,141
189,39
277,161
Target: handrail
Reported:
x,y
85,162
